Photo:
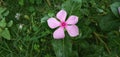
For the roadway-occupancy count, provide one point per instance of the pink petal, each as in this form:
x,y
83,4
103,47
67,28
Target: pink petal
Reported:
x,y
59,33
53,23
72,20
119,10
72,30
61,15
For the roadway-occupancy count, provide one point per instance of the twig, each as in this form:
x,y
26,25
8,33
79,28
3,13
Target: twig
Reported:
x,y
97,36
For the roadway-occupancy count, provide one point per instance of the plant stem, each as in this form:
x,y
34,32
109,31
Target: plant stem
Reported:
x,y
48,1
97,36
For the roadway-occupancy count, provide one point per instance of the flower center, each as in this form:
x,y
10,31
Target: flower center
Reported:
x,y
63,24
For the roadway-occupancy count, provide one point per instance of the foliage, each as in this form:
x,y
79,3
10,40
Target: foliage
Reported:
x,y
28,35
4,32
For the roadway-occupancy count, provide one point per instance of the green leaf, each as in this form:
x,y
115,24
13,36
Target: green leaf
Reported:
x,y
108,23
38,1
21,2
72,6
114,8
6,13
62,48
6,34
48,55
51,14
3,23
67,6
31,9
2,10
79,1
74,54
44,19
10,23
35,28
1,30
32,1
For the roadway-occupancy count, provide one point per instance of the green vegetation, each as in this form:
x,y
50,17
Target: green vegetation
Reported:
x,y
24,31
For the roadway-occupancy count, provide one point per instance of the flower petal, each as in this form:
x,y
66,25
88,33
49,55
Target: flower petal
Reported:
x,y
72,30
119,10
72,20
59,33
61,15
53,23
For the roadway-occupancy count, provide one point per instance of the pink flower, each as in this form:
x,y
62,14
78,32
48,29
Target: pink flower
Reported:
x,y
60,22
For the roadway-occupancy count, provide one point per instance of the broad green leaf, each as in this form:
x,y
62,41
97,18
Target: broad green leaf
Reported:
x,y
51,14
85,33
62,48
6,13
21,2
48,55
79,1
32,1
35,28
3,23
72,6
10,23
2,10
26,17
67,6
38,1
36,47
6,34
31,9
100,10
108,23
44,19
74,54
84,12
114,8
